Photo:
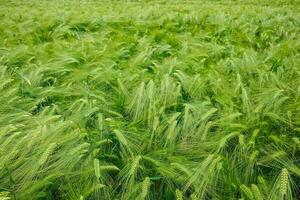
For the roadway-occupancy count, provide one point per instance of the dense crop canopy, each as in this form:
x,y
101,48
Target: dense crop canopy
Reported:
x,y
150,100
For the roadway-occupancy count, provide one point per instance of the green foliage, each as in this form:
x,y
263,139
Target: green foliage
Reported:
x,y
150,100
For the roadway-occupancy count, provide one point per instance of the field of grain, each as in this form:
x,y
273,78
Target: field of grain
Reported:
x,y
154,100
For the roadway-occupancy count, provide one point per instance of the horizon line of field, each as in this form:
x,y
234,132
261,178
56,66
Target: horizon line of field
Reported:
x,y
256,3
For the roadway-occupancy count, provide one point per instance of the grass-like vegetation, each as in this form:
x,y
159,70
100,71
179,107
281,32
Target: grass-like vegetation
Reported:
x,y
155,100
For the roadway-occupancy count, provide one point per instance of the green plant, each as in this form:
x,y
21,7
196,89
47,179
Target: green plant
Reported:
x,y
149,100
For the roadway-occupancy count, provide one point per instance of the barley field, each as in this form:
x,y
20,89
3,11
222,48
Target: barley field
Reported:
x,y
149,100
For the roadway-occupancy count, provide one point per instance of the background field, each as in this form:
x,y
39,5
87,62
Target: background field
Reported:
x,y
155,100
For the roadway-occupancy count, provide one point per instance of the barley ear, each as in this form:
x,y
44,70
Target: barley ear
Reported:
x,y
194,197
97,168
262,183
4,196
256,192
247,192
135,165
284,181
47,153
179,195
145,187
